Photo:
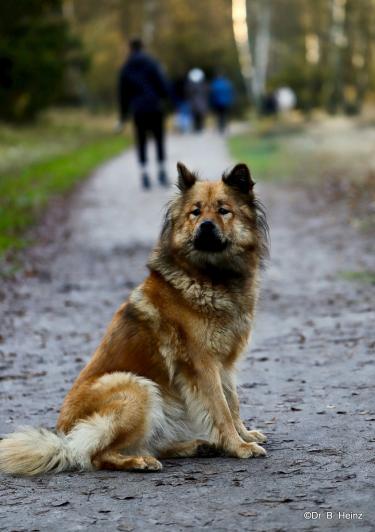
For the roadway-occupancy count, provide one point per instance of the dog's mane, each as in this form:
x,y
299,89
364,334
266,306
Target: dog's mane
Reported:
x,y
262,231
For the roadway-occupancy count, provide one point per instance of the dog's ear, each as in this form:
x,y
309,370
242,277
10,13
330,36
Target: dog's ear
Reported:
x,y
239,178
186,179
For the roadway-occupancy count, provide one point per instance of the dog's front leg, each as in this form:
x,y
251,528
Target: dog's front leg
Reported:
x,y
230,391
206,392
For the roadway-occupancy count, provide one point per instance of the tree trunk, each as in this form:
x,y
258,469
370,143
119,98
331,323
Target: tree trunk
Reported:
x,y
261,52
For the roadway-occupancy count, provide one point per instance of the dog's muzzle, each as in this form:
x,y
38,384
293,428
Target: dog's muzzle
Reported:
x,y
208,238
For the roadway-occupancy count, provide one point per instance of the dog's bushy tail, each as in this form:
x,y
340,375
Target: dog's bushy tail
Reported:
x,y
32,451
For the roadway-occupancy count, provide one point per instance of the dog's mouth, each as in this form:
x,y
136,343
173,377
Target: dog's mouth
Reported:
x,y
209,240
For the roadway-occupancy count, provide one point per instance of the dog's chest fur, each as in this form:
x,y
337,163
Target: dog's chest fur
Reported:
x,y
220,338
212,322
218,335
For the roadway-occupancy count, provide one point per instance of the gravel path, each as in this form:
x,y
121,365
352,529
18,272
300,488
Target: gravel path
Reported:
x,y
308,380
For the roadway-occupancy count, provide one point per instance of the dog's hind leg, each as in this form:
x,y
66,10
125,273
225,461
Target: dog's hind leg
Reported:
x,y
118,461
129,430
113,436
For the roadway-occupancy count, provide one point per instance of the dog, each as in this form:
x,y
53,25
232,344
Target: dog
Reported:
x,y
162,383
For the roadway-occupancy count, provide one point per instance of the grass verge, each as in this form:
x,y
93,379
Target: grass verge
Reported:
x,y
360,276
265,157
265,151
332,156
26,190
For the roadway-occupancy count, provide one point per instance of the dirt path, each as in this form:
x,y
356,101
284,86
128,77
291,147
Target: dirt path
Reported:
x,y
308,380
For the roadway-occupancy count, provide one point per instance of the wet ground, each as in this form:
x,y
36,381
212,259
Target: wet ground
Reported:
x,y
307,381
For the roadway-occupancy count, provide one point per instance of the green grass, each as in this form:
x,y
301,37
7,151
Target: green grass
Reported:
x,y
266,155
259,154
360,276
26,187
55,133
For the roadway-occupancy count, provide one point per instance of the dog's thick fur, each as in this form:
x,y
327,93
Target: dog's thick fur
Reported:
x,y
161,384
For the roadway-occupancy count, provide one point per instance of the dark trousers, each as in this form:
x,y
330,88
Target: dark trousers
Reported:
x,y
222,116
198,120
145,123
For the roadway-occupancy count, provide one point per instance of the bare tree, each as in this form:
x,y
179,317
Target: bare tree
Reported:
x,y
253,66
261,39
241,36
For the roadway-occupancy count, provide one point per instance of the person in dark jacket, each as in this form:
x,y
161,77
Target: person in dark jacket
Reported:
x,y
142,89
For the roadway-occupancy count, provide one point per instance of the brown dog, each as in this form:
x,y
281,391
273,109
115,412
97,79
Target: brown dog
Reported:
x,y
161,384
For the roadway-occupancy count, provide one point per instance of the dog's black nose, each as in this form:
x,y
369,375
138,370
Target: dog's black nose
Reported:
x,y
207,226
208,238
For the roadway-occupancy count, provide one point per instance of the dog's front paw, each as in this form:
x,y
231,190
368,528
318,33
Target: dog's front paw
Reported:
x,y
254,436
248,450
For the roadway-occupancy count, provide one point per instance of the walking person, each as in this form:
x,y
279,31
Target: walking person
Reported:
x,y
183,118
142,89
222,96
197,97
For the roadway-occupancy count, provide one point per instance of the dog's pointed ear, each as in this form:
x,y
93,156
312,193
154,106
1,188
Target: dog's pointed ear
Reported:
x,y
239,178
186,179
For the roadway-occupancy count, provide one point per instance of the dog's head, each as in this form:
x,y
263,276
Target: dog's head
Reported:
x,y
215,224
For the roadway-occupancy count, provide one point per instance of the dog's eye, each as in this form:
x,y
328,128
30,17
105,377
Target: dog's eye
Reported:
x,y
223,211
196,212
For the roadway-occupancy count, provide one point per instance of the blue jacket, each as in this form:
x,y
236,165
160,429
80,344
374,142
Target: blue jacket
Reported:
x,y
222,94
142,85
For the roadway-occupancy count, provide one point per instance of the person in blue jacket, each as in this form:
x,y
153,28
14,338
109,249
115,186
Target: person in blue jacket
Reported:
x,y
222,97
142,90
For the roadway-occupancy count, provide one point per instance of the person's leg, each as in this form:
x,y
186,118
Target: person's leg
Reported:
x,y
203,121
140,126
196,121
199,121
158,132
217,116
222,119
